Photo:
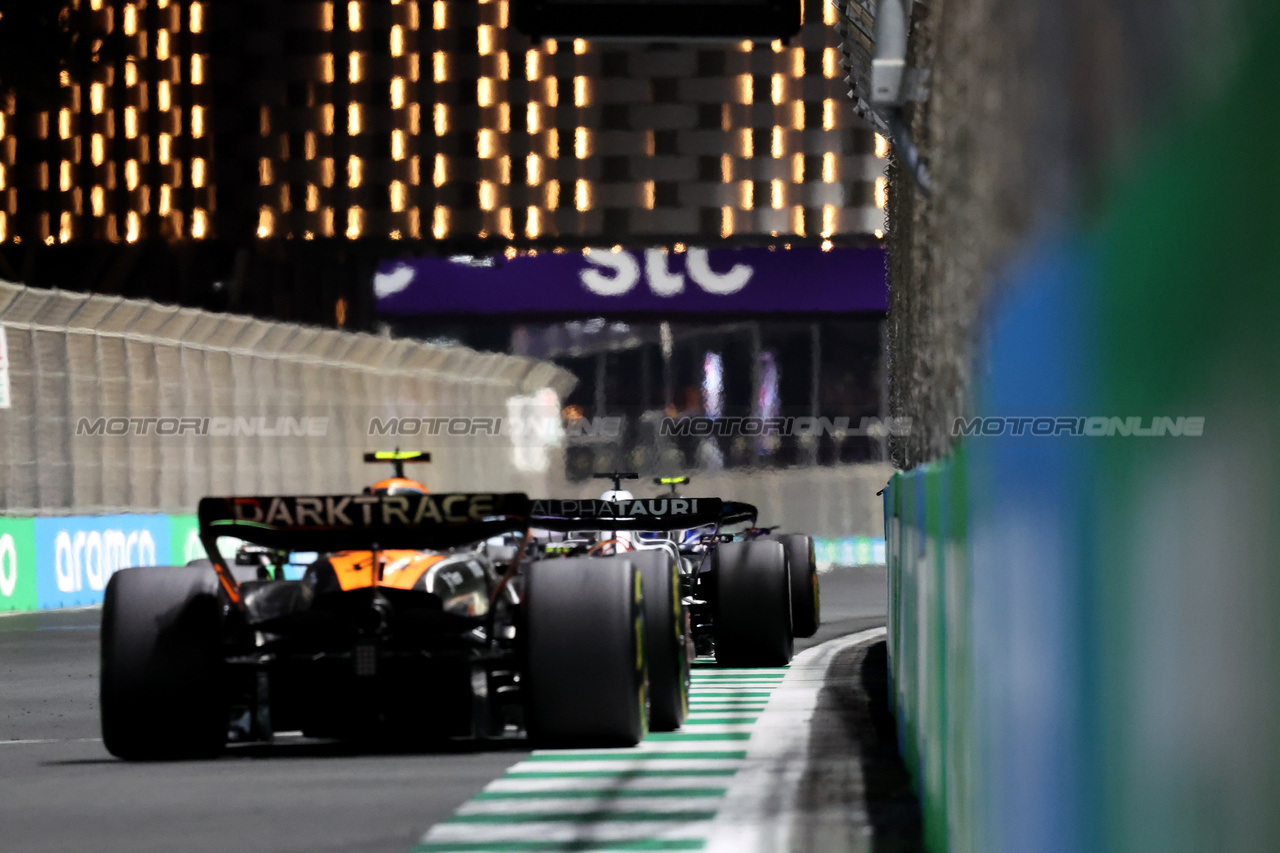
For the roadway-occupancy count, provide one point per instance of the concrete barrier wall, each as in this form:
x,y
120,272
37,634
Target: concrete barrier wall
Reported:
x,y
272,407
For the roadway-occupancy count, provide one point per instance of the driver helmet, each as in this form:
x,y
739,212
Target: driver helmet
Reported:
x,y
397,486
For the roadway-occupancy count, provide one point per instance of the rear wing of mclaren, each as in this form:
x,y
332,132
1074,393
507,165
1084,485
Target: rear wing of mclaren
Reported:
x,y
330,523
649,514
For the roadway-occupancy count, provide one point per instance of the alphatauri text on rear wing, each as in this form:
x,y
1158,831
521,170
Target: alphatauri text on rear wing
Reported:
x,y
632,514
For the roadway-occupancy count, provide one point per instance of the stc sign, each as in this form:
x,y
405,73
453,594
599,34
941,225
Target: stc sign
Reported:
x,y
615,273
697,281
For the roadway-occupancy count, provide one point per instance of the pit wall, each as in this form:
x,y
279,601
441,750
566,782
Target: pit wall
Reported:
x,y
1084,630
66,561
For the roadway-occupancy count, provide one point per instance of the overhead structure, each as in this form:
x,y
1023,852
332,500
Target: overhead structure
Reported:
x,y
637,19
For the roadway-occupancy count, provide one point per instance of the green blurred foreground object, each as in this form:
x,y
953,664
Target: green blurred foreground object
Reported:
x,y
1083,631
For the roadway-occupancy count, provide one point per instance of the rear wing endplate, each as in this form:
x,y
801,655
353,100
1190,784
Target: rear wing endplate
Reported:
x,y
736,512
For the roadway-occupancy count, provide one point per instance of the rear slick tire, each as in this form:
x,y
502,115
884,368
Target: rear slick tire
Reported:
x,y
586,679
753,604
806,608
162,684
665,644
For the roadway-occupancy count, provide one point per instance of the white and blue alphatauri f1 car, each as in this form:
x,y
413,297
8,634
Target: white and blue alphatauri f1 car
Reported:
x,y
715,584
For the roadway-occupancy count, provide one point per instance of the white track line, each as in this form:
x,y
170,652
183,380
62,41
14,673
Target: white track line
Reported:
x,y
574,836
762,810
80,609
607,800
38,740
611,785
622,768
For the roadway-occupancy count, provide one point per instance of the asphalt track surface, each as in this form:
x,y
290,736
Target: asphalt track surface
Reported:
x,y
60,790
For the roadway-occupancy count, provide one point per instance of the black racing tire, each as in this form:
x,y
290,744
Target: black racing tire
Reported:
x,y
806,608
162,684
753,604
586,679
665,643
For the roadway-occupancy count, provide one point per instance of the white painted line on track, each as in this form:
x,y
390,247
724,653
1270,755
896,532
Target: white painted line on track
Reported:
x,y
656,750
723,728
763,810
51,610
573,835
639,765
38,740
612,785
616,805
721,708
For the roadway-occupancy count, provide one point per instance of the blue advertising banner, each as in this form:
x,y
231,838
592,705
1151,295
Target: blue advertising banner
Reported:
x,y
76,555
697,281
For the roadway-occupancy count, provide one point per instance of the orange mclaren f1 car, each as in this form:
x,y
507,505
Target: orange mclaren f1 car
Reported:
x,y
409,624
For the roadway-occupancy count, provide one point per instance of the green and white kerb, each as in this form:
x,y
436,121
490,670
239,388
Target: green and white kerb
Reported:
x,y
661,795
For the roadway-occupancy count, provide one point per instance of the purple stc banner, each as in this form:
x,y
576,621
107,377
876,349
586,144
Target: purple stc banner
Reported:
x,y
696,281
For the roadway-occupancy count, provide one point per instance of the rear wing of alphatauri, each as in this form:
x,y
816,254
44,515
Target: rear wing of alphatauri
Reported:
x,y
736,512
329,523
650,514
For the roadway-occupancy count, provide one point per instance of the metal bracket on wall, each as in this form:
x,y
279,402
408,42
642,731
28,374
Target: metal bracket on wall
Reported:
x,y
873,40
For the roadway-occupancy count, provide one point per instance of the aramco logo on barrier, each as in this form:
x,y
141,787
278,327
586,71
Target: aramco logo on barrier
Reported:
x,y
94,556
624,273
